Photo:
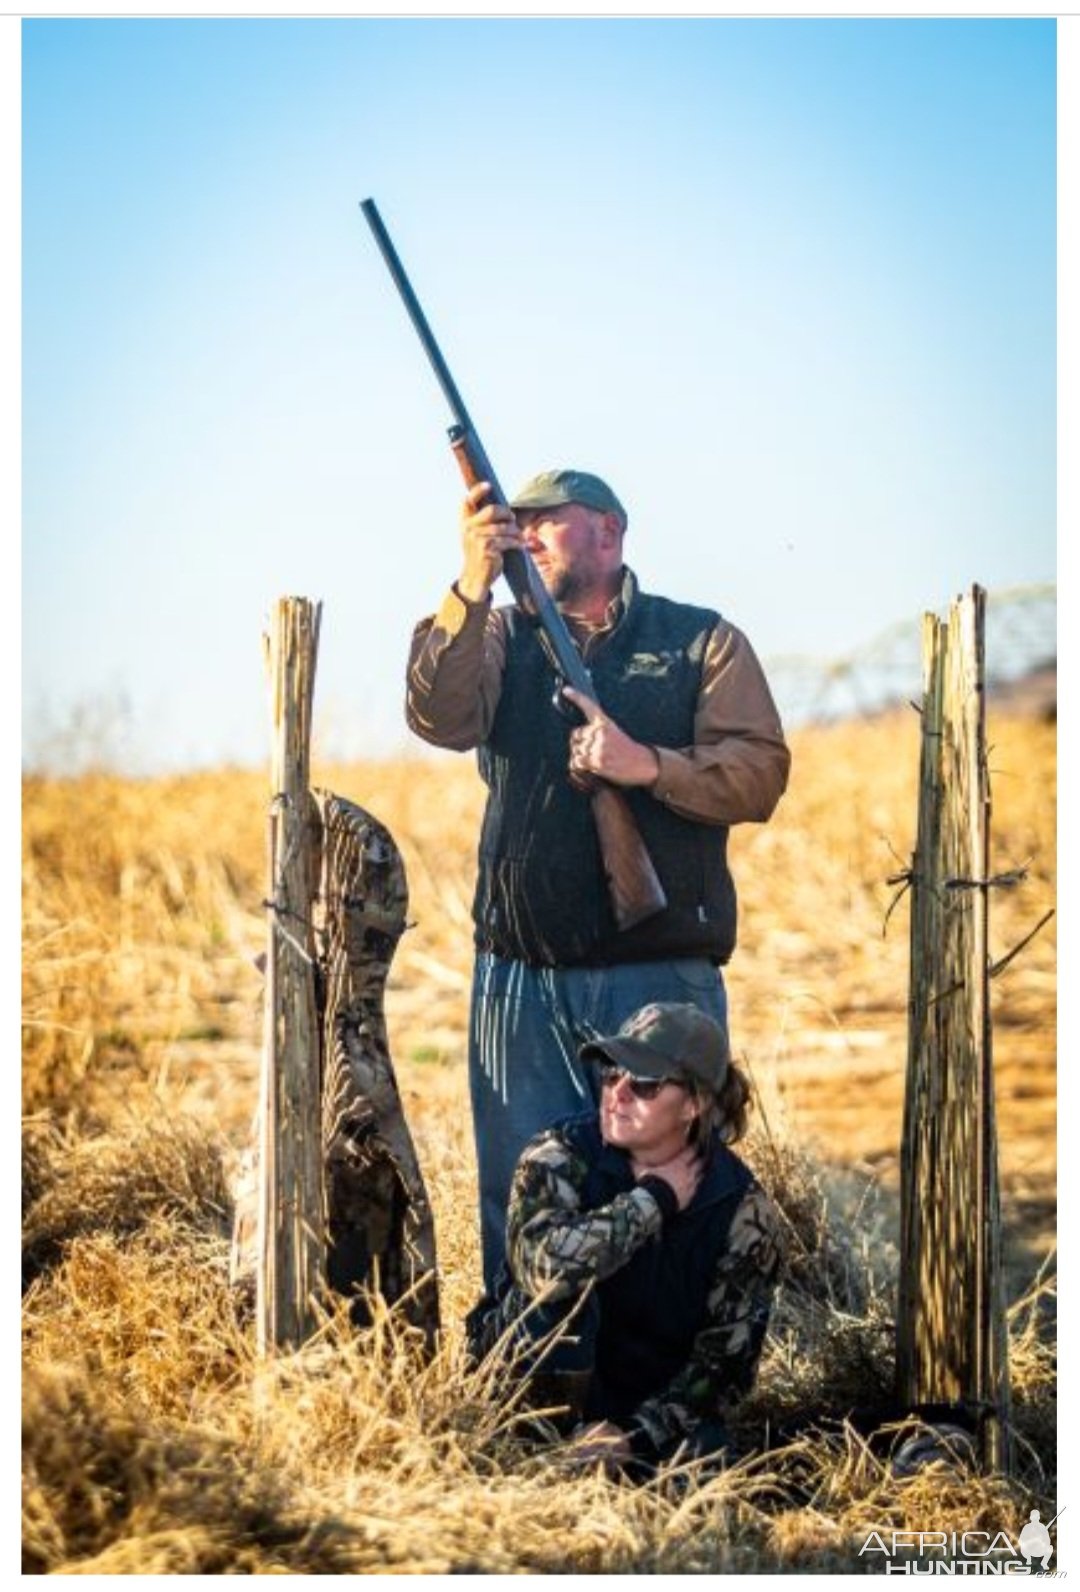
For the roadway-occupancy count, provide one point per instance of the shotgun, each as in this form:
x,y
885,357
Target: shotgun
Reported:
x,y
635,890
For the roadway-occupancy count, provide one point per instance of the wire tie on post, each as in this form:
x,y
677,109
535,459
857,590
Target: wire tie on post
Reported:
x,y
905,880
1004,881
280,912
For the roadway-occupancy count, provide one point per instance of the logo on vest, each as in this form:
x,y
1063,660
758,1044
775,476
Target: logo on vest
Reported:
x,y
653,665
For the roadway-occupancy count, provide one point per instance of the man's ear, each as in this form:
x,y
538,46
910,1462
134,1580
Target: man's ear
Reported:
x,y
612,530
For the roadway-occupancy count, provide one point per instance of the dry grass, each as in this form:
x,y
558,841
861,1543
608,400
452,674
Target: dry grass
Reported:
x,y
154,1442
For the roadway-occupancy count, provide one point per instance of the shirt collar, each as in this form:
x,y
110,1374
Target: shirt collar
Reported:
x,y
622,599
615,609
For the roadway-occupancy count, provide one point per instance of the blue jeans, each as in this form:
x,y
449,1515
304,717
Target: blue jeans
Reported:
x,y
525,1028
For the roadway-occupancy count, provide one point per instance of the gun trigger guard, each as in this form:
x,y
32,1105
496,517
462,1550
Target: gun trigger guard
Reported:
x,y
561,704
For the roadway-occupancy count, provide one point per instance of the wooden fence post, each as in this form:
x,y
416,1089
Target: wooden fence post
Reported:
x,y
291,1241
951,1337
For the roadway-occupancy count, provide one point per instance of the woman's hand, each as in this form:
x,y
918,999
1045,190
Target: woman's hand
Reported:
x,y
601,1443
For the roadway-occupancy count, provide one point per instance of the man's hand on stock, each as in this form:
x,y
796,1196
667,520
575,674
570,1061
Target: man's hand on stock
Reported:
x,y
598,747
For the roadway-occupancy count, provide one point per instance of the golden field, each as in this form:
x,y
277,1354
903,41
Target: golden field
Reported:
x,y
156,1443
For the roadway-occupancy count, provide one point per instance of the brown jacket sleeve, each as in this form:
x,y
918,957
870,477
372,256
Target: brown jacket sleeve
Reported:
x,y
455,673
737,769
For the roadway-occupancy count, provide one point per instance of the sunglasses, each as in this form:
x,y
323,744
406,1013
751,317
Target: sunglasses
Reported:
x,y
641,1088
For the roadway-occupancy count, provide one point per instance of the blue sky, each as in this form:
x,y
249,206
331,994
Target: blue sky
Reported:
x,y
789,284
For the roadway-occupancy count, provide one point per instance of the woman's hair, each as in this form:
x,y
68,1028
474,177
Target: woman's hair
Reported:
x,y
724,1110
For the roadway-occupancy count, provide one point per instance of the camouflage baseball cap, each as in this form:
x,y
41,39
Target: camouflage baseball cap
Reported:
x,y
551,488
666,1039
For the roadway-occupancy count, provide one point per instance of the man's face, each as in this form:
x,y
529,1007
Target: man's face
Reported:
x,y
577,550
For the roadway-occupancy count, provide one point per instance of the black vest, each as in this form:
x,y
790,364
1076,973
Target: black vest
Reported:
x,y
652,1309
541,895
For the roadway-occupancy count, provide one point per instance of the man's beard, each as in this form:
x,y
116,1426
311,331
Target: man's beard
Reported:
x,y
566,586
561,585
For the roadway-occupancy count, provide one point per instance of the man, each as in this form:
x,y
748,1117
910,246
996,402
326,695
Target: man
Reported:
x,y
642,1253
687,728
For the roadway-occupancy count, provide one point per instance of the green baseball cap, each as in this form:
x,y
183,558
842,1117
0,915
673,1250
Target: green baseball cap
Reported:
x,y
552,488
667,1039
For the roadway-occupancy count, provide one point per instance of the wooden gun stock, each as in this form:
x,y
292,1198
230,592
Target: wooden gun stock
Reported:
x,y
635,890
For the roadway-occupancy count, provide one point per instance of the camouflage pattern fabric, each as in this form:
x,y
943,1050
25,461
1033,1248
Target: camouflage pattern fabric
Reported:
x,y
553,1246
558,1248
379,1225
381,1228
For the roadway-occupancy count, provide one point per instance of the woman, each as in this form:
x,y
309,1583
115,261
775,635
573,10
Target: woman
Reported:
x,y
642,1254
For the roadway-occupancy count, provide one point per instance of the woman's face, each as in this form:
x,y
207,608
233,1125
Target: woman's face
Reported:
x,y
640,1125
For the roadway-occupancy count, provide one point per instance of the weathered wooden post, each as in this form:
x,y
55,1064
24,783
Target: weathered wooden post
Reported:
x,y
291,1240
951,1329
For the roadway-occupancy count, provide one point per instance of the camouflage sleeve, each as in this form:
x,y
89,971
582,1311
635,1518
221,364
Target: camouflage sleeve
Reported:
x,y
553,1246
723,1361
